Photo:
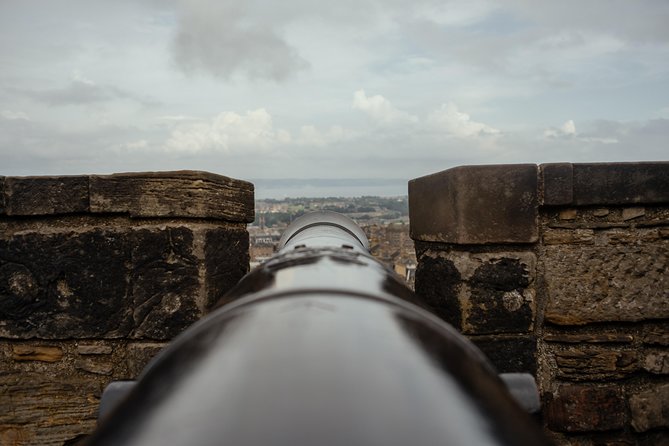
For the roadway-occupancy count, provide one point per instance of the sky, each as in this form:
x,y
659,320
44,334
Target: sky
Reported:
x,y
297,89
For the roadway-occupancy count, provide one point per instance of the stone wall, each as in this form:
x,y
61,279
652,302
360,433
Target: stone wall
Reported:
x,y
97,273
561,270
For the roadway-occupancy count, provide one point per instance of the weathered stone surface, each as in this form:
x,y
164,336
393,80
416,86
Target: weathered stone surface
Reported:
x,y
226,261
632,213
165,282
510,354
438,284
139,355
657,362
173,194
605,183
46,195
656,334
46,410
568,236
650,408
589,364
602,212
476,205
94,365
621,183
568,214
558,185
583,408
498,300
653,438
106,284
637,235
45,353
64,285
622,282
479,293
94,349
590,338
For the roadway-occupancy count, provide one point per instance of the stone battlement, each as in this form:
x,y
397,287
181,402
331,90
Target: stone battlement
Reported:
x,y
97,274
559,270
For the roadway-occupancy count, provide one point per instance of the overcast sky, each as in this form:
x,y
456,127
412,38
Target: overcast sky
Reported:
x,y
349,89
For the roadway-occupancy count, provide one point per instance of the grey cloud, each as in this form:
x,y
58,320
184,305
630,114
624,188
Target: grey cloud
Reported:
x,y
38,148
635,138
640,21
552,43
229,38
81,92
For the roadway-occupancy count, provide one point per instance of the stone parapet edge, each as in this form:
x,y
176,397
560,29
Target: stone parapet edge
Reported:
x,y
188,194
499,203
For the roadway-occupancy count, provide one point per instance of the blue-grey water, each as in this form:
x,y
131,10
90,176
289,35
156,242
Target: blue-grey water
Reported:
x,y
295,188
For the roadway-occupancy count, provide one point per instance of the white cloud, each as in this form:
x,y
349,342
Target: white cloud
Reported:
x,y
228,132
140,144
459,124
457,13
312,136
566,130
381,110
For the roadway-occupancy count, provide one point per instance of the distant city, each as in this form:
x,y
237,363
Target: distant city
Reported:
x,y
385,220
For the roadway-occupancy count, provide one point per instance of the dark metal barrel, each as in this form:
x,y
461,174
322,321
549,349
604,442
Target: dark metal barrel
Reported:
x,y
321,346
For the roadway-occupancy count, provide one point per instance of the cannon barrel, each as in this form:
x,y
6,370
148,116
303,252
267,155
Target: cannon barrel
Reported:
x,y
320,345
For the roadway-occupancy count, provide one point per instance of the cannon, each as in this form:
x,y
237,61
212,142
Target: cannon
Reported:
x,y
320,345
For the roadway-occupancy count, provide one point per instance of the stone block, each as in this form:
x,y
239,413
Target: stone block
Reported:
x,y
498,298
591,364
65,285
145,283
622,282
164,281
94,365
510,354
94,349
173,194
632,213
476,205
568,214
656,334
653,438
438,283
47,410
479,293
46,195
558,184
568,236
621,183
226,261
589,338
44,353
650,408
583,408
656,362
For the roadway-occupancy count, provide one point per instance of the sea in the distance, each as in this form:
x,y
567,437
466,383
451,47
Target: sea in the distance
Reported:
x,y
313,188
